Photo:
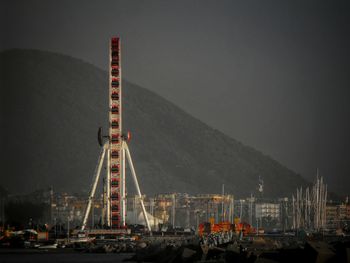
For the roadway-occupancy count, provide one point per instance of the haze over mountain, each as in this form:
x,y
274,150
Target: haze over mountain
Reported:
x,y
53,105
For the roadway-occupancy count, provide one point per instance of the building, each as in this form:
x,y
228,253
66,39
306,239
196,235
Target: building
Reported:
x,y
268,215
267,210
337,215
66,207
331,216
181,209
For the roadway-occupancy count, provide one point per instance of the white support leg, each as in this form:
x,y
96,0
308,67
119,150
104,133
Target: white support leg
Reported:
x,y
93,190
123,189
125,146
108,188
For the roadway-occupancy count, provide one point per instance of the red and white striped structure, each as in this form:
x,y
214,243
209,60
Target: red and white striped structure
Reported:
x,y
117,152
115,213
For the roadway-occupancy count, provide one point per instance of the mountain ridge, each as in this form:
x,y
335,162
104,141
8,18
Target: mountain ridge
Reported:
x,y
60,101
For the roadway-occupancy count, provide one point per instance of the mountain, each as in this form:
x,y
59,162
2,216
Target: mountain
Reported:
x,y
52,106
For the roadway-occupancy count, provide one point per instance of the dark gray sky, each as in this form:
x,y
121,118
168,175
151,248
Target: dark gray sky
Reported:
x,y
272,74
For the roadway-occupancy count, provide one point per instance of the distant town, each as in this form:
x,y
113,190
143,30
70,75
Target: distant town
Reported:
x,y
182,212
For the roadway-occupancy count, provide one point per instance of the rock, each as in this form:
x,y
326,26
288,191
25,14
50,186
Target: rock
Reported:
x,y
141,245
318,251
187,253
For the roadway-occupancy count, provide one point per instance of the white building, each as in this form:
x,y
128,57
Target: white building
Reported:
x,y
263,210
